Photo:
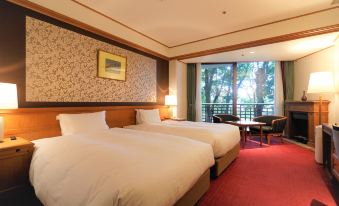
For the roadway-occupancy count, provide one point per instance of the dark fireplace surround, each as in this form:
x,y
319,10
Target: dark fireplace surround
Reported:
x,y
303,117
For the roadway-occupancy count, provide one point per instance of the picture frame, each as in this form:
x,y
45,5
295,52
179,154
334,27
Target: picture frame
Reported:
x,y
111,66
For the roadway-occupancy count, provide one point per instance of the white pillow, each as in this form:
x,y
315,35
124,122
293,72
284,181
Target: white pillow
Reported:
x,y
82,123
147,116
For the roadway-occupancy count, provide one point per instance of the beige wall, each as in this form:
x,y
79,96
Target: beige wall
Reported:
x,y
336,71
321,61
178,86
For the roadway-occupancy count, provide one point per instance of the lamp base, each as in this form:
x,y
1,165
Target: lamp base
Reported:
x,y
320,109
173,112
2,129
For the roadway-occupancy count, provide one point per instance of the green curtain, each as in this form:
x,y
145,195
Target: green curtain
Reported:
x,y
191,91
287,68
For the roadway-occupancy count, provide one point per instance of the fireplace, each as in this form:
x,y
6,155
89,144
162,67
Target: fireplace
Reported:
x,y
299,126
302,119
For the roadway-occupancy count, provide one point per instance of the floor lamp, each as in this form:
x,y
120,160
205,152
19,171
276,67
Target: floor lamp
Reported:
x,y
320,83
8,100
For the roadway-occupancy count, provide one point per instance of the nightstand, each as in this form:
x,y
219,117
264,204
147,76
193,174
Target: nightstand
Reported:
x,y
15,158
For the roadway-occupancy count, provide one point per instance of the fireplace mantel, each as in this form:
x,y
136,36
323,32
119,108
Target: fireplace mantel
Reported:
x,y
309,110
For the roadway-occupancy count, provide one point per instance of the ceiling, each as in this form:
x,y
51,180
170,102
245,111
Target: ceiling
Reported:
x,y
175,22
283,51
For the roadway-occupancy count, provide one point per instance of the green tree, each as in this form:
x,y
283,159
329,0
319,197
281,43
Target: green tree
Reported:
x,y
254,79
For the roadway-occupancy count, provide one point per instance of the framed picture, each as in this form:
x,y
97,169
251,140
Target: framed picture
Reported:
x,y
111,66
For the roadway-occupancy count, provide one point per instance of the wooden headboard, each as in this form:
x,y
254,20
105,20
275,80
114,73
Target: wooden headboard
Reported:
x,y
37,123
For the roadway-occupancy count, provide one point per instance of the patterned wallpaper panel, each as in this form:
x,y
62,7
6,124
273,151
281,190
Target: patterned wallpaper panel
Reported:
x,y
61,66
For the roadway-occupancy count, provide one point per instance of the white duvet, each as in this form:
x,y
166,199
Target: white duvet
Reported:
x,y
222,137
117,167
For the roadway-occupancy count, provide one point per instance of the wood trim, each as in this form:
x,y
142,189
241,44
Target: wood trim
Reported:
x,y
118,22
270,40
36,123
79,24
253,27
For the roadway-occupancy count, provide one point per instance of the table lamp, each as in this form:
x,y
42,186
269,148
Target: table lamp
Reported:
x,y
171,101
8,100
320,83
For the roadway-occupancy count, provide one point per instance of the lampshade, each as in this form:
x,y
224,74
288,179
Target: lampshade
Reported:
x,y
320,82
170,100
8,96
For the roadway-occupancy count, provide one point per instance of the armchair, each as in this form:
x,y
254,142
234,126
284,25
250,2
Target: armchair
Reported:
x,y
275,126
222,118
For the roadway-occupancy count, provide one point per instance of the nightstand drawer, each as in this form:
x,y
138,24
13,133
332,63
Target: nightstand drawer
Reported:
x,y
11,152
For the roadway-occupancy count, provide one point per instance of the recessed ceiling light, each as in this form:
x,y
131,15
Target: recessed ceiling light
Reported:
x,y
252,52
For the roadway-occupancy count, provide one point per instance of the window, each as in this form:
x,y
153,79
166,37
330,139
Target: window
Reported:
x,y
245,89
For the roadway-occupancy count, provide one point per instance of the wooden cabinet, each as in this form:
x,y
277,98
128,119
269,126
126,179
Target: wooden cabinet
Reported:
x,y
15,157
303,117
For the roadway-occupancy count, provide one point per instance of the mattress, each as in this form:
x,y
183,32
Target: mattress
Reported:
x,y
117,167
222,137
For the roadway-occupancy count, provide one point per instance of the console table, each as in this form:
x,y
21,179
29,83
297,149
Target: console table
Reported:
x,y
330,160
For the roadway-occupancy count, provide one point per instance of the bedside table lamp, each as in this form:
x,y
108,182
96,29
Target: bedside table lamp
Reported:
x,y
320,83
171,101
8,100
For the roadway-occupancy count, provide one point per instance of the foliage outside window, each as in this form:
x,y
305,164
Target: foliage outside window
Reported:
x,y
254,89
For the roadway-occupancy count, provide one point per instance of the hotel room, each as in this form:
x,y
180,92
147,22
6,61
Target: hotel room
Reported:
x,y
168,102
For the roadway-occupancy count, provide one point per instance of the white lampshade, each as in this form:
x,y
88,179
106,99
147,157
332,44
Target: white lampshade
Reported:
x,y
8,96
170,100
320,82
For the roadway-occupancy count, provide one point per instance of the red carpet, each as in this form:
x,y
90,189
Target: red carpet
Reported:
x,y
281,174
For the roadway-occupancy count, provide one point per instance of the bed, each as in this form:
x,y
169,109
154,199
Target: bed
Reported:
x,y
118,167
224,138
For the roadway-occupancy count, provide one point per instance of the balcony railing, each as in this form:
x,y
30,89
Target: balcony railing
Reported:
x,y
245,110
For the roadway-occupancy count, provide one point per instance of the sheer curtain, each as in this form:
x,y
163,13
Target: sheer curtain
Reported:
x,y
279,91
198,95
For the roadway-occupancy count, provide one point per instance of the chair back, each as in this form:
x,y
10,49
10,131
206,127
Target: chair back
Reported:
x,y
221,118
277,123
268,119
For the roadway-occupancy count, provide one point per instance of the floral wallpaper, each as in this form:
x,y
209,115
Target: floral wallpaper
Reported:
x,y
61,66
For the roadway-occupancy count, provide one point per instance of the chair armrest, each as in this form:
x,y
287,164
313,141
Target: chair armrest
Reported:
x,y
217,119
278,125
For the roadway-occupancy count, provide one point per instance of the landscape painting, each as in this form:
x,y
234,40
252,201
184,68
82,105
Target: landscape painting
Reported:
x,y
111,66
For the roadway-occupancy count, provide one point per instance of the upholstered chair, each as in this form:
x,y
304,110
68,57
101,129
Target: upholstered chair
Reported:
x,y
275,126
222,118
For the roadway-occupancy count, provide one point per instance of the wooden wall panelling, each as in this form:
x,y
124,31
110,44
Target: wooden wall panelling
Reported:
x,y
36,123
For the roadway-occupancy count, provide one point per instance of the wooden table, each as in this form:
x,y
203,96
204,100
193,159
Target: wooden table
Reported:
x,y
244,124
